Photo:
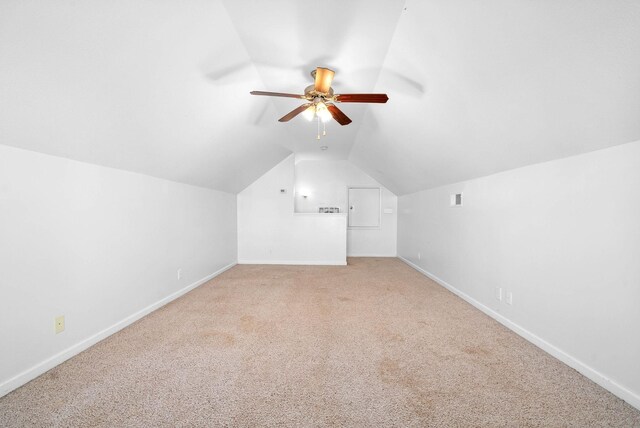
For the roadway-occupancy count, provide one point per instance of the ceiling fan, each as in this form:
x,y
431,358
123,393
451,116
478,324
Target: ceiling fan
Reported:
x,y
320,99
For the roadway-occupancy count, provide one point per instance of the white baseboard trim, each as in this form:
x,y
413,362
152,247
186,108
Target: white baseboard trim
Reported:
x,y
615,388
46,365
293,262
372,255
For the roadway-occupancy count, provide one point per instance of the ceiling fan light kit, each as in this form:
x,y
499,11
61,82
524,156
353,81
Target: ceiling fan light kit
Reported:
x,y
321,98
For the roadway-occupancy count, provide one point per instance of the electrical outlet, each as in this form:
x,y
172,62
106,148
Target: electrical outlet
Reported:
x,y
509,298
180,273
59,323
499,293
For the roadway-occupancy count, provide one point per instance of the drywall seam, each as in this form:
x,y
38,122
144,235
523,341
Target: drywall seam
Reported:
x,y
608,384
42,367
292,262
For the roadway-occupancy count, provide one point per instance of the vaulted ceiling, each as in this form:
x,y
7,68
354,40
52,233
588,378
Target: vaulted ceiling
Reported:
x,y
162,87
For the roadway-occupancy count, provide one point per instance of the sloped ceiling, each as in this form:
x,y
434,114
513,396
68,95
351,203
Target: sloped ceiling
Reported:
x,y
124,84
162,87
502,84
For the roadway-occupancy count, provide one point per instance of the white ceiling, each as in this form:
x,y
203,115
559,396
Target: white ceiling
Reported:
x,y
162,87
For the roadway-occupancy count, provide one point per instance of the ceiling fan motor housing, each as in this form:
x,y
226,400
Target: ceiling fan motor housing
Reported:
x,y
311,93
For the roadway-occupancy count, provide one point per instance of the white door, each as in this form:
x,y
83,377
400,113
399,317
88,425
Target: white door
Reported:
x,y
364,207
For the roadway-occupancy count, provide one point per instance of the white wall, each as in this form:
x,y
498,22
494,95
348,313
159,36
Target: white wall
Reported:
x,y
270,232
325,183
564,238
99,246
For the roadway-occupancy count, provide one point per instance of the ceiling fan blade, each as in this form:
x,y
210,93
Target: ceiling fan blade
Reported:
x,y
324,77
362,98
287,117
338,115
277,94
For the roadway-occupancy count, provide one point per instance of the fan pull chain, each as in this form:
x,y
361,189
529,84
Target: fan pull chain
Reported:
x,y
324,128
318,128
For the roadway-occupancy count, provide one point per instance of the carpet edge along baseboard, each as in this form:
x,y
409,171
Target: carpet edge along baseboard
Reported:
x,y
610,385
33,372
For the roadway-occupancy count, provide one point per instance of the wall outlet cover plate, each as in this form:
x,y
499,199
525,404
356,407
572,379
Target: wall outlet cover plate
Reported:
x,y
59,324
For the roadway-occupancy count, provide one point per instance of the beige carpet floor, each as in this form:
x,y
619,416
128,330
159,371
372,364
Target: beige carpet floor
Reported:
x,y
372,344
